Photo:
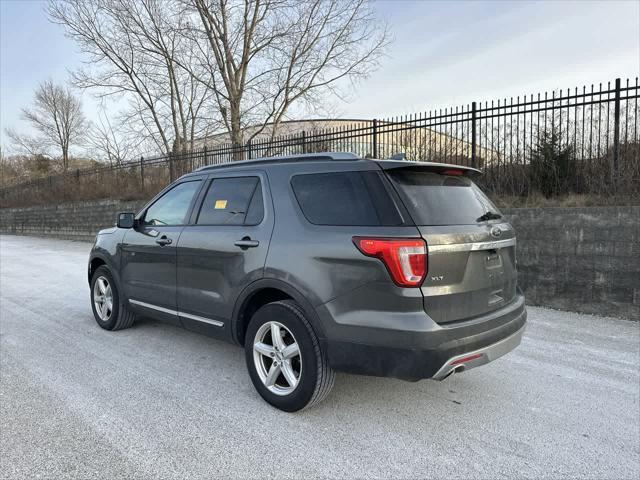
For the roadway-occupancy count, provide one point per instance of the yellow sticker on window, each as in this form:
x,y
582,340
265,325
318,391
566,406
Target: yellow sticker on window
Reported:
x,y
220,204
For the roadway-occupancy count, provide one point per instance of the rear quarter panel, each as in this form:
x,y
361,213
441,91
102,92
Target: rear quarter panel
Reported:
x,y
322,263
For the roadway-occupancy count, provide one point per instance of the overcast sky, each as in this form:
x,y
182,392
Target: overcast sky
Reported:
x,y
444,53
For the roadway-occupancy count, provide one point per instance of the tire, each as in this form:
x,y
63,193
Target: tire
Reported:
x,y
310,367
118,316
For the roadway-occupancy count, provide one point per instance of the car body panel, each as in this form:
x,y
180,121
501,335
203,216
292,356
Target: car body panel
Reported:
x,y
321,261
148,270
212,271
107,249
471,272
366,323
147,267
254,288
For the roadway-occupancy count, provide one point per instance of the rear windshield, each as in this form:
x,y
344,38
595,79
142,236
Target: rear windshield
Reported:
x,y
434,199
346,198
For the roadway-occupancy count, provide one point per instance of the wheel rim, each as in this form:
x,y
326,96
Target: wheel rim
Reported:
x,y
103,298
276,355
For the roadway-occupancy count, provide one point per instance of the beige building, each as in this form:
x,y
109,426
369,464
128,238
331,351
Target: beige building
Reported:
x,y
442,143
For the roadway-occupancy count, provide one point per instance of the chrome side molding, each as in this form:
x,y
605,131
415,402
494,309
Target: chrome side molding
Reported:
x,y
177,313
200,319
471,247
153,307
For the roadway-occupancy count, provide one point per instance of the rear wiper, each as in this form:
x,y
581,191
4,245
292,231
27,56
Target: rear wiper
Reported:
x,y
488,216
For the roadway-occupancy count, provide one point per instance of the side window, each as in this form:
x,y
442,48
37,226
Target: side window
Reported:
x,y
172,207
345,198
256,208
232,201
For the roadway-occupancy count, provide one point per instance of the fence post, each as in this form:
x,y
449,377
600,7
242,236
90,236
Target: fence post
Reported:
x,y
474,161
142,172
170,167
304,141
77,175
205,156
249,149
616,128
375,138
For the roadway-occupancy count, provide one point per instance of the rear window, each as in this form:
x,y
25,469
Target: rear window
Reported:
x,y
346,198
434,199
232,201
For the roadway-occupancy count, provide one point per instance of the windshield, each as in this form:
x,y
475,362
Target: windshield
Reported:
x,y
435,199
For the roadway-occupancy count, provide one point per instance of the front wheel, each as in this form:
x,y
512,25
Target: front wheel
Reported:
x,y
109,309
284,358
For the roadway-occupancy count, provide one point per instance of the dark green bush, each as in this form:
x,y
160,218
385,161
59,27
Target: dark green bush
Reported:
x,y
552,166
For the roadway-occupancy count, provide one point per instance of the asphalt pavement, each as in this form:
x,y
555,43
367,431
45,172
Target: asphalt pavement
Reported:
x,y
156,401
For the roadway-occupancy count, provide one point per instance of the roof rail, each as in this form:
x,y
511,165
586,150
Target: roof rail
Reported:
x,y
302,157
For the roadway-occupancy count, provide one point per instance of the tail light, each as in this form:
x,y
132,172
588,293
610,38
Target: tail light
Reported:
x,y
405,258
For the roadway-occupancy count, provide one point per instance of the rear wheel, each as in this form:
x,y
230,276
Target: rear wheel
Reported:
x,y
284,358
106,302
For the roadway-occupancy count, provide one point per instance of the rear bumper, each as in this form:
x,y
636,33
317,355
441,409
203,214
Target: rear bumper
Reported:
x,y
434,353
481,356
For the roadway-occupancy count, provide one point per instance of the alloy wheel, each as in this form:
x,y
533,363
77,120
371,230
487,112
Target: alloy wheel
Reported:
x,y
103,298
277,359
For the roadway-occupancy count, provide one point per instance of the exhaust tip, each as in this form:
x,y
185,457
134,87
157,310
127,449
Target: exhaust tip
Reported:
x,y
457,369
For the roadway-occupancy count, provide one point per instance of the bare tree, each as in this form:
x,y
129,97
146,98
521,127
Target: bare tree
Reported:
x,y
56,117
191,66
24,143
264,56
108,142
133,49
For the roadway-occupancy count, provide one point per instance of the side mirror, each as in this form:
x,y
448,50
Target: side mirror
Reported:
x,y
126,220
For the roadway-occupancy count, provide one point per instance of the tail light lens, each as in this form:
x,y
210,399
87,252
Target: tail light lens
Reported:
x,y
405,258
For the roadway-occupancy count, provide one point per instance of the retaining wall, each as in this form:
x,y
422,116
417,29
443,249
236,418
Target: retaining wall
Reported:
x,y
580,259
70,221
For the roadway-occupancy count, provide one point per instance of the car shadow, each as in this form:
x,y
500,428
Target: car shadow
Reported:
x,y
207,361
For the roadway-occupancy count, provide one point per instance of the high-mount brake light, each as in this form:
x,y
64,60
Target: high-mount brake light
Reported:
x,y
405,258
453,172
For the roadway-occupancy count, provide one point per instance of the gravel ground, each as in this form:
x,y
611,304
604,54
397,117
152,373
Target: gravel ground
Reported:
x,y
157,401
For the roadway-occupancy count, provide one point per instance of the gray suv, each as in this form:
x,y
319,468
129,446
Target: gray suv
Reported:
x,y
320,263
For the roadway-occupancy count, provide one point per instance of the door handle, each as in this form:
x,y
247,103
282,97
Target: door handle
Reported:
x,y
246,242
164,240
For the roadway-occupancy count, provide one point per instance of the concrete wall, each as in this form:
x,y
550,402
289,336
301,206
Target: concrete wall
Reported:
x,y
71,221
580,259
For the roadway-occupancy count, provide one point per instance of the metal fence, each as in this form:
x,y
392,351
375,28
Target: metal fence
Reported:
x,y
581,140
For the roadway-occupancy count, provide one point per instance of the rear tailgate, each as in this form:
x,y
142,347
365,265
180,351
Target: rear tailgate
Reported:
x,y
470,272
471,259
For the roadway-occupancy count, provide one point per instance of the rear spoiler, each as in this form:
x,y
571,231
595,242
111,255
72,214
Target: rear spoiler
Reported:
x,y
442,168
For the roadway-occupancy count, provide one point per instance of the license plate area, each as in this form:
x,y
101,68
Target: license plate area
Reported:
x,y
493,259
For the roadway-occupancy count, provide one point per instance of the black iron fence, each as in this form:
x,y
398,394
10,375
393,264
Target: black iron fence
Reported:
x,y
581,140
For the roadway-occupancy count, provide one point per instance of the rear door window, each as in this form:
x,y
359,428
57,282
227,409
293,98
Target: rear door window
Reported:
x,y
346,198
232,201
435,199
